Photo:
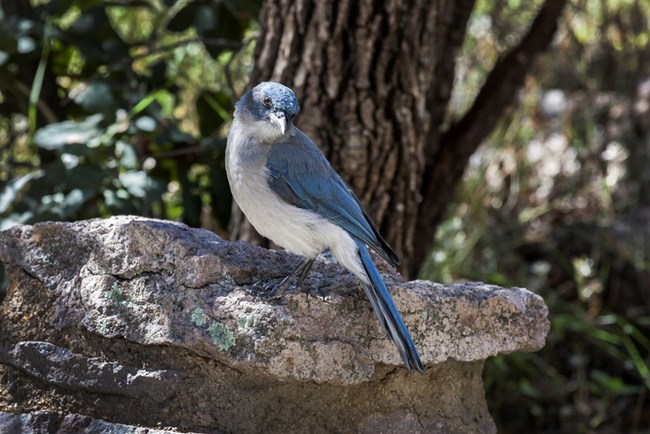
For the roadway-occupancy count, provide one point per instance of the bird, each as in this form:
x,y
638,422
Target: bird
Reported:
x,y
290,193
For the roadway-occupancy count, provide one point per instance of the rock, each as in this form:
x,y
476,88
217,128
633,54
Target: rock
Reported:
x,y
42,422
150,323
60,367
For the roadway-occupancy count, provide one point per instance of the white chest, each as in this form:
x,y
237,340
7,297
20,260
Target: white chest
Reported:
x,y
298,230
291,227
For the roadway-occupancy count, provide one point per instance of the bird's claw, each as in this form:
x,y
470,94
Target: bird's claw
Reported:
x,y
274,292
308,292
294,280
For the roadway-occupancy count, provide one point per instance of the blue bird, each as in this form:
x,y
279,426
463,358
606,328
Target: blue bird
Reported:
x,y
289,192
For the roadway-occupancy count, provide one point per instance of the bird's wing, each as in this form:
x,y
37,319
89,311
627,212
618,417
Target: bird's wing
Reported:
x,y
301,175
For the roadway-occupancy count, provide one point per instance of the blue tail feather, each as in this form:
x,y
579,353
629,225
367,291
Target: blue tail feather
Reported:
x,y
387,312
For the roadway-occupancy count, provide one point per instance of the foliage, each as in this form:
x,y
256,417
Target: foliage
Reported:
x,y
554,201
112,107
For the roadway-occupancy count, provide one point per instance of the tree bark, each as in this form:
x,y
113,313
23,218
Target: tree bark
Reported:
x,y
374,80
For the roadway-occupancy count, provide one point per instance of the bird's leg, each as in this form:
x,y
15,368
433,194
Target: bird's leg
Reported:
x,y
300,272
302,277
303,274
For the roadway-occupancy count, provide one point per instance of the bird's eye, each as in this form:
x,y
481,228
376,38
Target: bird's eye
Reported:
x,y
267,102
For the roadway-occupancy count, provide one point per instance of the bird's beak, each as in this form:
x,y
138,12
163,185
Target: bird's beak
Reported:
x,y
279,120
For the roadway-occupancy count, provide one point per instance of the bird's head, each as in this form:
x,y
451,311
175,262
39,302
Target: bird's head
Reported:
x,y
268,110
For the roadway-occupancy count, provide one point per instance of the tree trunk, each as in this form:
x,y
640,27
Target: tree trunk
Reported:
x,y
374,80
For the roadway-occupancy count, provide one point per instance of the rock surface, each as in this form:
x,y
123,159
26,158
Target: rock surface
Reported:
x,y
50,422
150,323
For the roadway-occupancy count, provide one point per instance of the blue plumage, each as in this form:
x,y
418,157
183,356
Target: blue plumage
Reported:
x,y
388,314
290,193
300,174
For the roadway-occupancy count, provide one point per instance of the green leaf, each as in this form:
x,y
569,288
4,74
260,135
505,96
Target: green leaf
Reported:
x,y
86,177
127,155
54,136
35,91
70,160
61,206
53,179
96,38
613,385
205,19
16,219
213,109
137,183
147,101
14,188
97,98
74,201
26,45
146,124
117,204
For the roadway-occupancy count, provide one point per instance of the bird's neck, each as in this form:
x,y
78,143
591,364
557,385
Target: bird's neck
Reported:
x,y
261,131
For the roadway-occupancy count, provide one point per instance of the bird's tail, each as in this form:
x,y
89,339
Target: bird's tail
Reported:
x,y
387,312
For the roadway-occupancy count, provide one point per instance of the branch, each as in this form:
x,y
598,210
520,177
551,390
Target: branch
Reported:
x,y
446,165
213,42
231,84
41,104
503,82
197,149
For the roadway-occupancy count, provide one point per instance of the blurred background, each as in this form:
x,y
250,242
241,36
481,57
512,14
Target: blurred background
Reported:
x,y
122,107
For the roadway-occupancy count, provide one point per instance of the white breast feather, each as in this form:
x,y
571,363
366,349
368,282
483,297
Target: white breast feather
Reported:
x,y
298,230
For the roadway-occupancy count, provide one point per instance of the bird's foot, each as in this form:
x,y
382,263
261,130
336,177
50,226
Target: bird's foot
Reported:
x,y
275,292
308,292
